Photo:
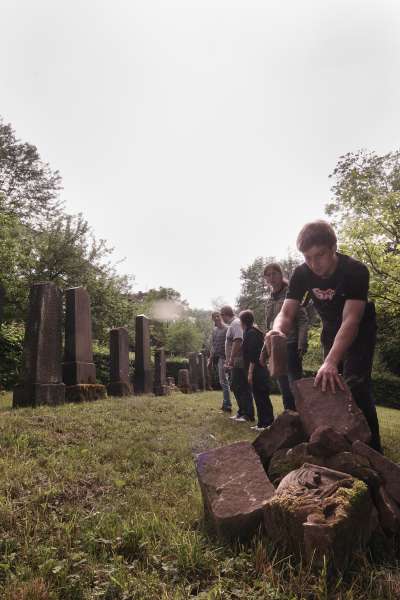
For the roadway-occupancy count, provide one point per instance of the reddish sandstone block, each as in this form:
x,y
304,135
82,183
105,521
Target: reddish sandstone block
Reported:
x,y
326,409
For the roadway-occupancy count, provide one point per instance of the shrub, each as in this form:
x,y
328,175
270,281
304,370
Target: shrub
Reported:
x,y
11,350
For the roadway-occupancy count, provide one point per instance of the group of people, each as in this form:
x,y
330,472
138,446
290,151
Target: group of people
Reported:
x,y
337,285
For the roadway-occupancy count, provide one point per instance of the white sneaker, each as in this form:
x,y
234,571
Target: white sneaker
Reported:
x,y
241,420
234,417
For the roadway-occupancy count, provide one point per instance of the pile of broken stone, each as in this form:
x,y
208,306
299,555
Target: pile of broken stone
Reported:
x,y
310,481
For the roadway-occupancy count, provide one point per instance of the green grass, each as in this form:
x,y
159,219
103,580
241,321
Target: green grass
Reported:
x,y
101,501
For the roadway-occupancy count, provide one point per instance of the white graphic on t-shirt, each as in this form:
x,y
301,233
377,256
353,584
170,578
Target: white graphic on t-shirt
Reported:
x,y
324,294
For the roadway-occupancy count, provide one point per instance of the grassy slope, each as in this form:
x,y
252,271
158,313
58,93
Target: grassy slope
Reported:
x,y
101,501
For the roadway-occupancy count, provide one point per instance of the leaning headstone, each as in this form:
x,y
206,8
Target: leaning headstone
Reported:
x,y
201,372
160,373
143,378
319,514
235,489
386,469
184,381
79,371
327,409
194,371
119,363
278,360
42,374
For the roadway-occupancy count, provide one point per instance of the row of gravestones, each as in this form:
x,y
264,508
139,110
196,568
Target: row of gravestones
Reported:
x,y
47,379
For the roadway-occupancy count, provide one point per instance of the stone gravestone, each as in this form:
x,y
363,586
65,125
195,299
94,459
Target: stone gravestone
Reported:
x,y
207,372
278,359
201,372
194,371
326,409
119,363
143,379
160,373
184,381
42,374
79,371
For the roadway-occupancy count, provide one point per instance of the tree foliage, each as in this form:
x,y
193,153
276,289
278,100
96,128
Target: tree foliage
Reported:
x,y
29,186
182,337
366,211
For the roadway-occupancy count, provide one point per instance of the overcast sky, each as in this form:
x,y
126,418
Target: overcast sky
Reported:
x,y
198,135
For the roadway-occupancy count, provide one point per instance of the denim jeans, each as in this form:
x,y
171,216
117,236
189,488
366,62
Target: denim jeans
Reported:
x,y
295,371
242,391
224,383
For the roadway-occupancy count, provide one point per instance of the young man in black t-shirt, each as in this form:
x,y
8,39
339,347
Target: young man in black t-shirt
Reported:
x,y
338,286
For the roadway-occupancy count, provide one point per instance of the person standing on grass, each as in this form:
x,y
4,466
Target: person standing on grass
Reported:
x,y
234,364
257,375
297,336
338,285
217,358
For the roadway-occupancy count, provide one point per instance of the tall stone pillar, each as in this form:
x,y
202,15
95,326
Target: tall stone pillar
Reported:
x,y
194,371
119,363
42,374
143,379
79,371
160,373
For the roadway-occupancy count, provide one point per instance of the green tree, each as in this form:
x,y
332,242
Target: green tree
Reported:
x,y
29,186
183,337
366,212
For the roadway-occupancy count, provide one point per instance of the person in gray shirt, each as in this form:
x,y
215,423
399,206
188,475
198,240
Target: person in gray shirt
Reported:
x,y
217,358
234,363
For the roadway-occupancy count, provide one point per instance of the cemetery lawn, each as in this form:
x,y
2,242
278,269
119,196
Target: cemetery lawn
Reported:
x,y
101,500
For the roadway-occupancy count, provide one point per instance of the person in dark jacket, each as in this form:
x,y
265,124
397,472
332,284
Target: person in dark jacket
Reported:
x,y
257,375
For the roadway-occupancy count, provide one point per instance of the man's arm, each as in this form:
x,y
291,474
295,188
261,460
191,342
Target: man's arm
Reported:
x,y
236,346
284,321
328,374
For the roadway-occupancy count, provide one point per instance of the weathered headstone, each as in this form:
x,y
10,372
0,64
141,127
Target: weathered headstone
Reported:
x,y
79,371
386,469
201,372
42,373
208,374
319,512
286,431
143,379
327,409
194,371
235,489
160,373
326,441
278,360
184,381
119,363
388,511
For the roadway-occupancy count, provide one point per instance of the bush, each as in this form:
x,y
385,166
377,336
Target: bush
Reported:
x,y
386,389
11,353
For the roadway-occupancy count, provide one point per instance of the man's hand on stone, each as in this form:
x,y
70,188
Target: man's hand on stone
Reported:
x,y
329,378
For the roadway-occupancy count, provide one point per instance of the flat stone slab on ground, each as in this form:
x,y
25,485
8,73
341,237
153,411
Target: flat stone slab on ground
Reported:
x,y
85,392
319,512
235,489
386,469
326,409
285,432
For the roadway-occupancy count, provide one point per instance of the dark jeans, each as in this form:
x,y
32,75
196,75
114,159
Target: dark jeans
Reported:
x,y
265,412
356,370
295,371
242,392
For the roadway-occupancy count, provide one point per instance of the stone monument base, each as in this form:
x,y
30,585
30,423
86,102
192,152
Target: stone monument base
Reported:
x,y
35,394
85,372
119,388
161,390
85,392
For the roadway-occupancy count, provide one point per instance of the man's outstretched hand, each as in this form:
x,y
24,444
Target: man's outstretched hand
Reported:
x,y
329,378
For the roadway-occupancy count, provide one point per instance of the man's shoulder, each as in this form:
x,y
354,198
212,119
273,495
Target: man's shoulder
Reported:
x,y
351,265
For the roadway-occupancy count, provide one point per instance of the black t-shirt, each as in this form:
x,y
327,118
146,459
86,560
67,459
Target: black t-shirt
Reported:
x,y
349,282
